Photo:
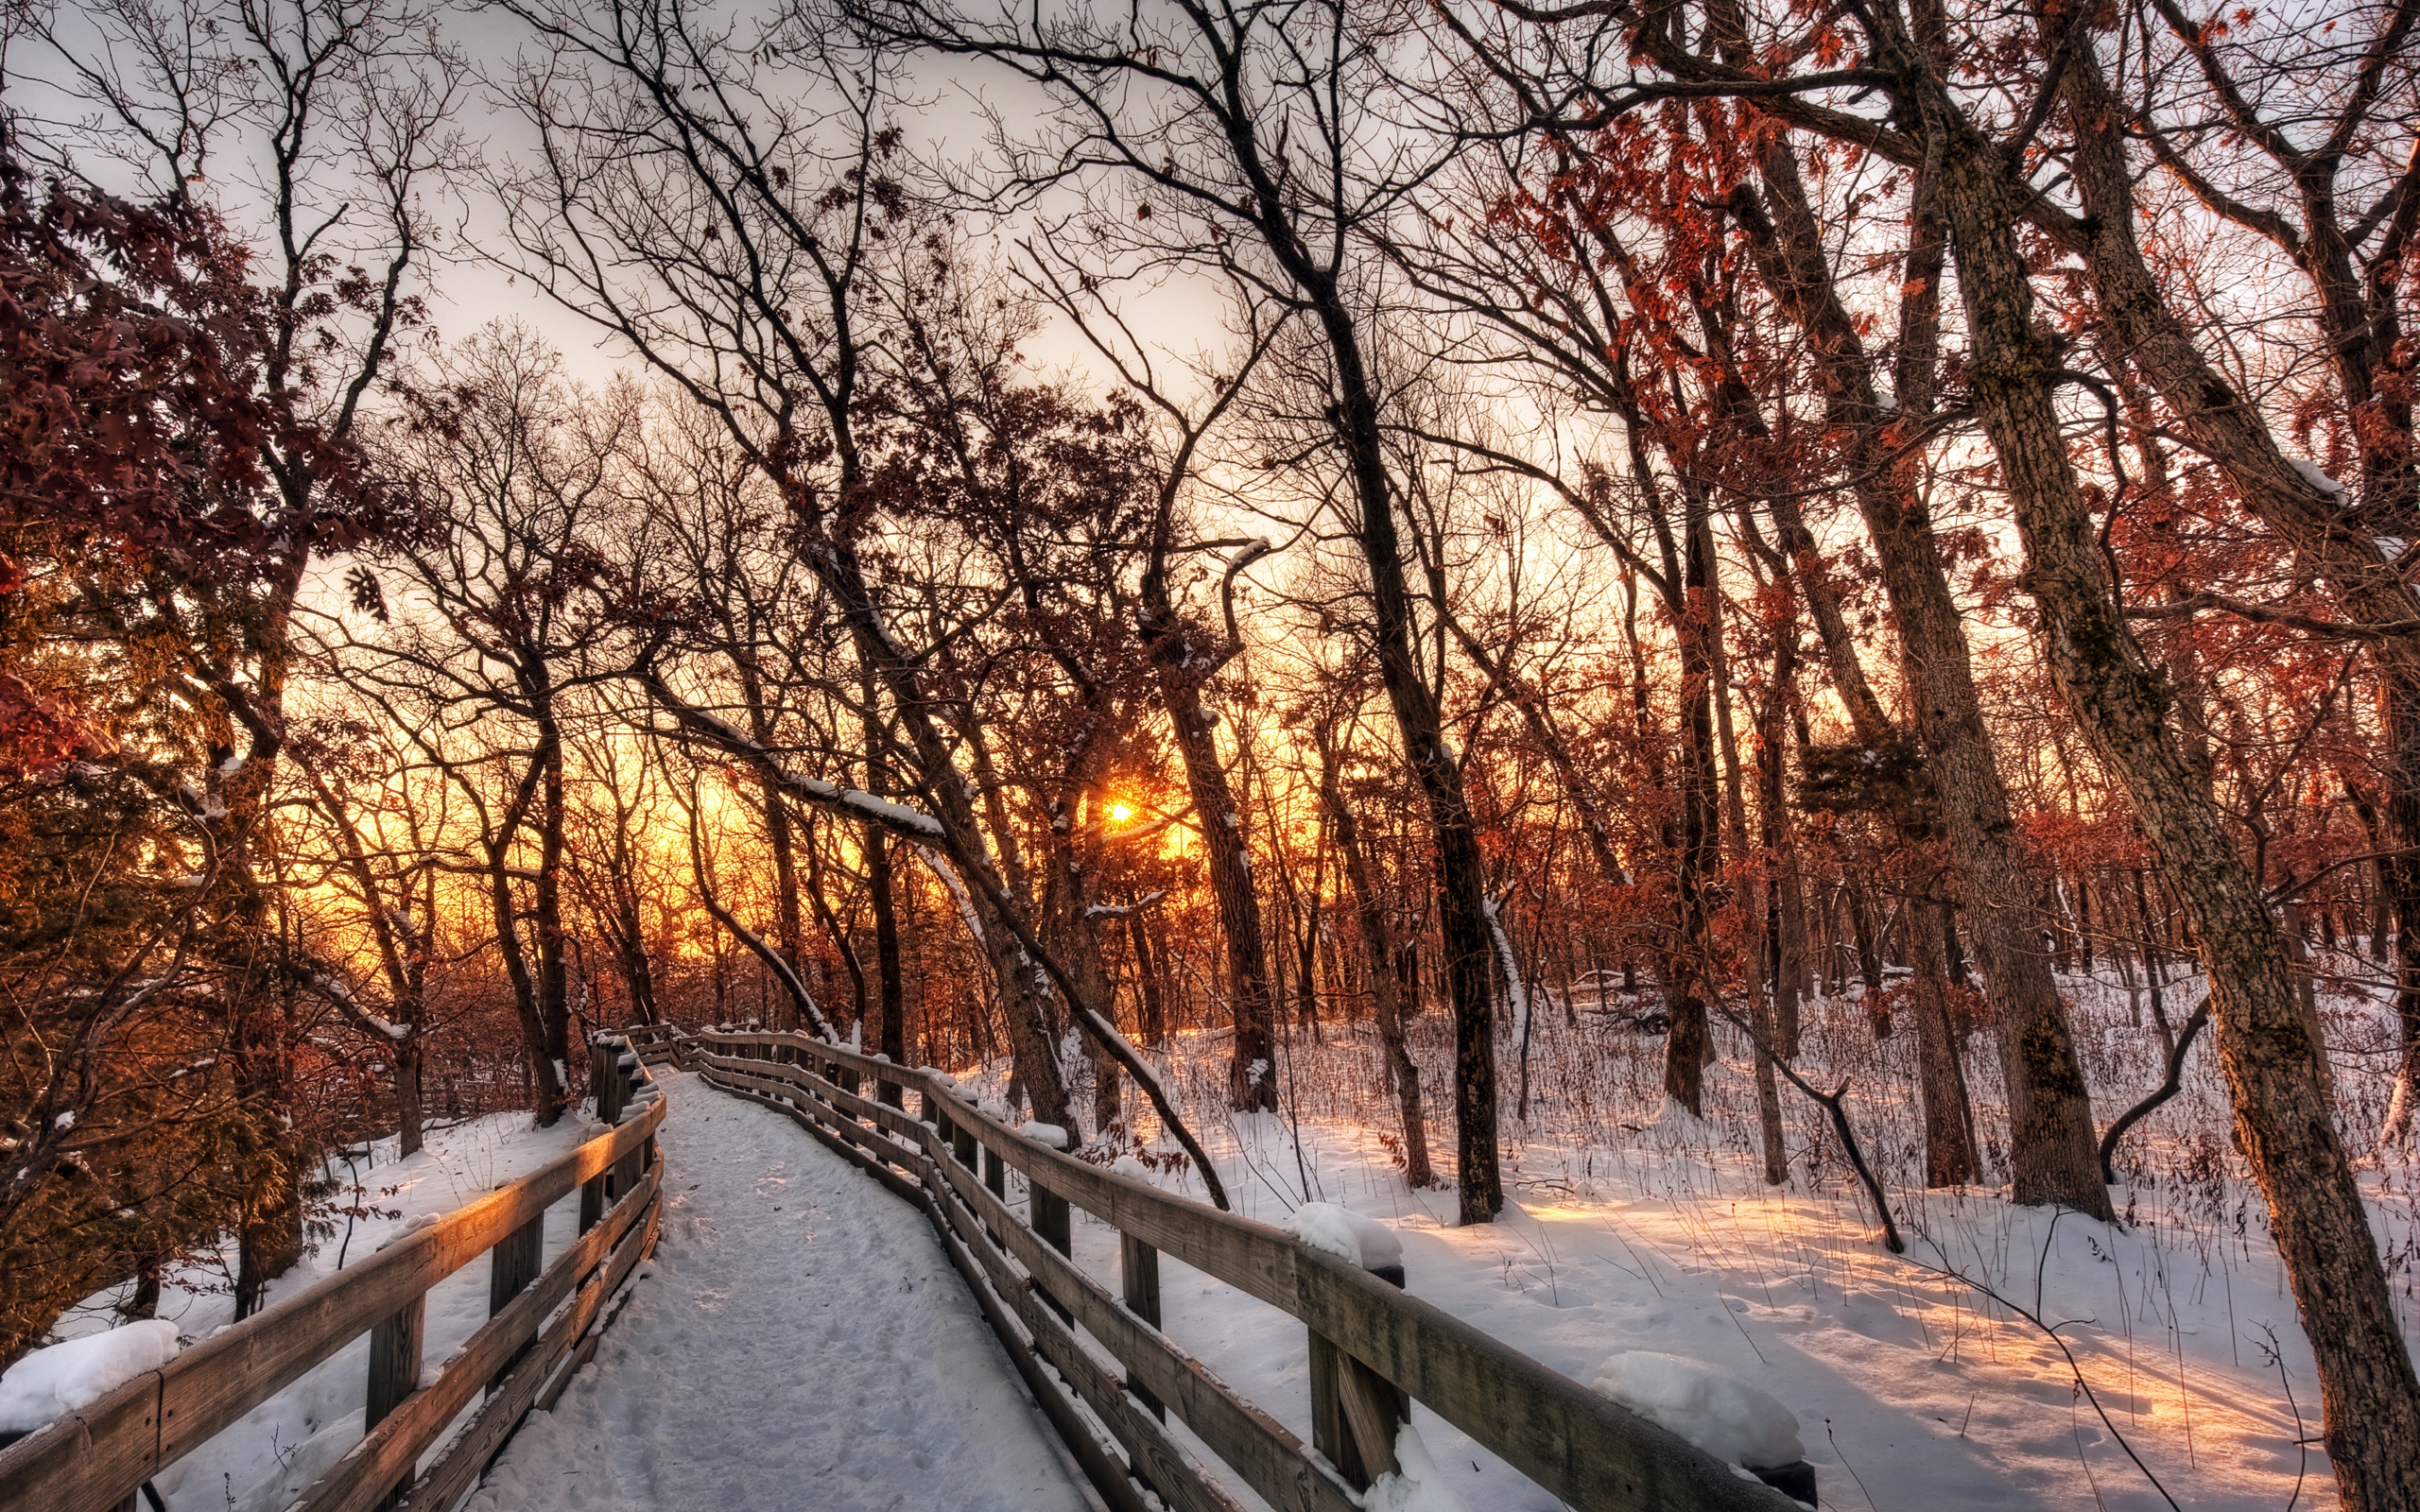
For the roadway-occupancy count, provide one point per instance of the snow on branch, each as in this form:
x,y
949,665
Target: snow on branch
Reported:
x,y
1512,984
328,985
1125,910
950,879
896,818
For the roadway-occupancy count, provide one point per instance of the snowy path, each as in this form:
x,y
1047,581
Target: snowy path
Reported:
x,y
800,1341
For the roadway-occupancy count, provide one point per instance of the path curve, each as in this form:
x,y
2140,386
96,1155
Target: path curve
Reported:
x,y
799,1341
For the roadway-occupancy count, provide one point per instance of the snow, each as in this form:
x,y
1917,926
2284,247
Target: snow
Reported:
x,y
1711,1408
1050,1135
69,1377
336,988
1626,1232
1419,1486
1126,910
948,874
273,1454
2310,472
798,1340
1348,1235
1493,907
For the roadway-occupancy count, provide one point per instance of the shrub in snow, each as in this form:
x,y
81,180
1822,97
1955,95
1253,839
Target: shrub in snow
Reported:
x,y
1418,1487
1713,1409
70,1377
1347,1235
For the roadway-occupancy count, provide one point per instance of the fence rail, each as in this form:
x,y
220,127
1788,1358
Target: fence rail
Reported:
x,y
95,1460
1373,1348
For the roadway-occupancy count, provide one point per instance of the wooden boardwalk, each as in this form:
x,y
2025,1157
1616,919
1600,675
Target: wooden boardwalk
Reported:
x,y
764,1412
797,1327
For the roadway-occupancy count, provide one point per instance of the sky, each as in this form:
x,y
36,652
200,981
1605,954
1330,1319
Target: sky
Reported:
x,y
469,282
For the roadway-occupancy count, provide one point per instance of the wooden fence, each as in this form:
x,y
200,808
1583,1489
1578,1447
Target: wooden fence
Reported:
x,y
95,1460
1373,1350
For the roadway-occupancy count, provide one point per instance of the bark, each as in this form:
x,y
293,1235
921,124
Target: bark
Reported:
x,y
1454,830
2051,1146
1869,959
1377,946
2371,1396
1251,1085
789,930
1152,1013
890,1023
1949,1140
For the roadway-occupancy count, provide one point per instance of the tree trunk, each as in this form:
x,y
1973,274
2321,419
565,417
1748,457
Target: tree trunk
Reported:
x,y
2052,1146
1152,1013
1251,1085
1377,944
2371,1396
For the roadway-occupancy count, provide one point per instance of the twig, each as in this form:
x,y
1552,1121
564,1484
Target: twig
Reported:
x,y
2166,1090
1831,1104
2074,1371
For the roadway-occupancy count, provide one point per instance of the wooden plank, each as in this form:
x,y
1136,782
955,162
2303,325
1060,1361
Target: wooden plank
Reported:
x,y
1154,1460
1049,1219
890,1119
1138,1278
91,1462
1578,1445
464,1460
782,1091
217,1380
1373,1410
514,1263
1281,1467
1256,1446
1107,1474
901,1185
386,1457
395,1359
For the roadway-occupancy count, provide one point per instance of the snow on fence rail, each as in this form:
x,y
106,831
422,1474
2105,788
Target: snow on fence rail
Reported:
x,y
95,1460
1373,1348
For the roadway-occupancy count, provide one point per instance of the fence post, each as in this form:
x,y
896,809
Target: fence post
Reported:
x,y
514,1264
592,1192
996,1173
1138,1272
1354,1411
1049,1211
961,1141
394,1368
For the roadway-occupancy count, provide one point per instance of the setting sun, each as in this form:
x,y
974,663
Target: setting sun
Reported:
x,y
1120,813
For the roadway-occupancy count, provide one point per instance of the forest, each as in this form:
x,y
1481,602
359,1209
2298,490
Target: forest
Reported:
x,y
1827,588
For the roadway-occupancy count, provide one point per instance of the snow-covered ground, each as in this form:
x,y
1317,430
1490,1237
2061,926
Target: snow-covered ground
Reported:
x,y
799,1341
1918,1381
263,1462
800,1329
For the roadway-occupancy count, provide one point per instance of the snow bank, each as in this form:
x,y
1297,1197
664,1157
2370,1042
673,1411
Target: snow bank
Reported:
x,y
1346,1234
1420,1487
68,1377
1717,1411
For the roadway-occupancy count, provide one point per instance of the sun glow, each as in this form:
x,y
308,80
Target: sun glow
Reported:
x,y
1120,813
